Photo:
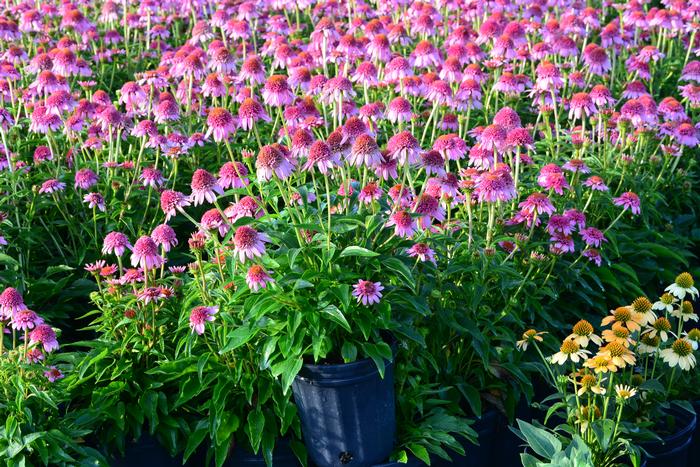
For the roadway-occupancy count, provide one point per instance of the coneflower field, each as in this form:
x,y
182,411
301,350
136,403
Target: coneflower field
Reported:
x,y
364,232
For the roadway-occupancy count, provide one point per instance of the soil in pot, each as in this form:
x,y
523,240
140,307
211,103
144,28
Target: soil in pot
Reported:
x,y
282,456
347,413
147,452
476,455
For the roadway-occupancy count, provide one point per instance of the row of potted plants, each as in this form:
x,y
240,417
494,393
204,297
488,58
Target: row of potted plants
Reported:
x,y
312,232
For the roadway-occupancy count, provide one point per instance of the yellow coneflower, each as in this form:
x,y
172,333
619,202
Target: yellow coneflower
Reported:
x,y
600,364
625,315
569,350
624,392
619,355
648,344
685,312
680,353
529,336
643,307
683,285
589,383
618,333
661,328
587,413
665,303
583,333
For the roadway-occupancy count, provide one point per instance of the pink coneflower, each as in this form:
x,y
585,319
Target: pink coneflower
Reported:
x,y
151,177
249,112
53,374
507,118
249,243
44,334
220,124
593,255
246,207
433,163
365,151
404,147
536,204
252,70
150,295
85,179
403,222
493,137
551,177
367,292
495,185
601,96
233,175
115,242
428,208
276,92
596,183
423,252
95,200
35,355
213,220
561,243
370,193
11,302
580,104
164,236
257,278
387,167
320,156
199,317
548,77
450,146
166,110
145,254
52,186
271,161
596,57
205,187
171,202
25,319
593,236
628,200
399,110
560,224
302,139
687,135
576,165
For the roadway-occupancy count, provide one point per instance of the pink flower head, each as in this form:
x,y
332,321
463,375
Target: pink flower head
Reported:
x,y
321,156
365,152
220,124
213,220
11,302
496,185
428,207
403,222
249,243
150,176
53,374
204,187
25,319
199,317
404,148
249,112
52,186
35,355
171,202
536,204
593,236
233,175
95,200
596,183
85,179
423,252
593,255
164,235
551,177
271,161
628,200
257,278
115,242
151,295
370,193
44,334
276,91
145,254
367,292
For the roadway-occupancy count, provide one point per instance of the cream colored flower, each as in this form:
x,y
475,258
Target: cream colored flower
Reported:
x,y
680,353
569,350
624,392
683,285
582,333
529,336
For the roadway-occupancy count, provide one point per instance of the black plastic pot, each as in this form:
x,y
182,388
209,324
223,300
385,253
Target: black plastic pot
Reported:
x,y
673,449
146,452
694,450
347,413
282,456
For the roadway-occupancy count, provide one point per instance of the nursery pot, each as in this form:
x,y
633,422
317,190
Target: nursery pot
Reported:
x,y
673,450
146,452
282,456
476,455
347,413
694,451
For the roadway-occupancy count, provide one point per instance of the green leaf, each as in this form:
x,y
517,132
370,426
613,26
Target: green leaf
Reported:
x,y
254,428
288,369
238,337
195,439
337,316
358,251
349,352
420,452
541,441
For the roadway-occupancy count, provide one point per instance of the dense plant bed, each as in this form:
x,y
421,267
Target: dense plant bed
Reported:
x,y
273,232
